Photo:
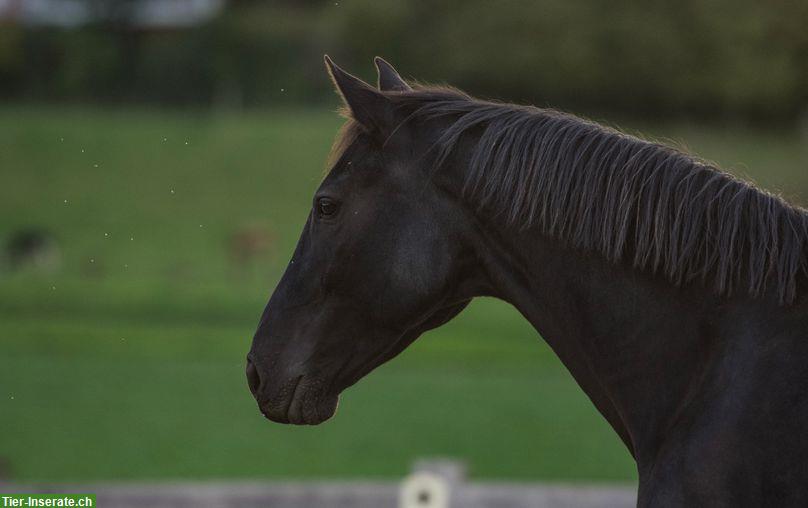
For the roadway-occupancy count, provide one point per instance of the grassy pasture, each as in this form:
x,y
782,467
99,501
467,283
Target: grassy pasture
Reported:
x,y
127,361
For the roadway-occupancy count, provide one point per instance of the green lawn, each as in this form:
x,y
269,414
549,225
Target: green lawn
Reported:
x,y
127,362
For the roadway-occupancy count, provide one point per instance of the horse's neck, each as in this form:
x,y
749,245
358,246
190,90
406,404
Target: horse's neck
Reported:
x,y
634,343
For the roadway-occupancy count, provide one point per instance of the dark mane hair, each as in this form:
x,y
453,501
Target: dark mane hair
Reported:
x,y
605,191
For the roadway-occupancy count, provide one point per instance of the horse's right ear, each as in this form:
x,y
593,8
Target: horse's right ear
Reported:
x,y
389,79
367,105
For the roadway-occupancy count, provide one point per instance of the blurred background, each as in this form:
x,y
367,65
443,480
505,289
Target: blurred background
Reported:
x,y
157,160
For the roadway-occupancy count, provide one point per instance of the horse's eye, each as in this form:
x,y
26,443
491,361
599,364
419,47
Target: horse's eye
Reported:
x,y
327,207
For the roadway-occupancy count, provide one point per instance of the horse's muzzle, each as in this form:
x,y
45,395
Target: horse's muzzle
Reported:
x,y
299,400
253,379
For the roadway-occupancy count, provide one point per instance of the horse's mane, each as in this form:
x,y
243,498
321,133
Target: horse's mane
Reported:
x,y
602,190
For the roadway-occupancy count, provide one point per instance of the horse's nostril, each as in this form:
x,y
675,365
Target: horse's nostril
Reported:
x,y
253,379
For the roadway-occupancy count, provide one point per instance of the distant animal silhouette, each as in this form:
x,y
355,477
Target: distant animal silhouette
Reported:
x,y
32,248
248,244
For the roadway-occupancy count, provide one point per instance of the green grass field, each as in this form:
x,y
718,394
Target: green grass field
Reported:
x,y
128,361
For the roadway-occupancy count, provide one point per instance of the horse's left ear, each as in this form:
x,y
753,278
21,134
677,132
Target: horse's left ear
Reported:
x,y
368,106
389,79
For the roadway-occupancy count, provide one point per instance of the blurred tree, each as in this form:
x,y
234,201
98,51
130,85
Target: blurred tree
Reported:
x,y
712,58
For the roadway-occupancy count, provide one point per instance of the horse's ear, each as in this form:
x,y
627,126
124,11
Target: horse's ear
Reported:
x,y
368,106
389,79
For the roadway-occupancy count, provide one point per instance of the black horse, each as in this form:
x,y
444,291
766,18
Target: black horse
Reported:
x,y
674,293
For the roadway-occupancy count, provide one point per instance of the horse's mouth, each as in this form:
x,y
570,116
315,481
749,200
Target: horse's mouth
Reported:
x,y
305,404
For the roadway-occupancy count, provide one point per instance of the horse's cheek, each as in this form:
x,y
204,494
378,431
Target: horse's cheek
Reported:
x,y
416,274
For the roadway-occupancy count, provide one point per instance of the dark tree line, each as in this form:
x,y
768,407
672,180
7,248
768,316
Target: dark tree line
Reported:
x,y
711,58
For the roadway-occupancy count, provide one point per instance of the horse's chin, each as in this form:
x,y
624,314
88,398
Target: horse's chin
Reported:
x,y
304,409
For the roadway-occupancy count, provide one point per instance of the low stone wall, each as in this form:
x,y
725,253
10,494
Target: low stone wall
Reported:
x,y
432,485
